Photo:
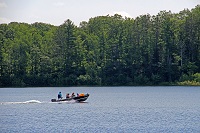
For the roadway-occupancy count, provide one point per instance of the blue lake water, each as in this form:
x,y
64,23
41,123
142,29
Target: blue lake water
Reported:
x,y
108,109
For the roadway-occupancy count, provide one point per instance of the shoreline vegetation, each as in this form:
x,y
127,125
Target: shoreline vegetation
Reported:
x,y
158,50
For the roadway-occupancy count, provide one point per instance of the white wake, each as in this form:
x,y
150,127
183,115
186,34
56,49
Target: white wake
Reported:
x,y
26,102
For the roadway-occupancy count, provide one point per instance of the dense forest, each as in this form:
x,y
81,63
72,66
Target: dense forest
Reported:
x,y
163,49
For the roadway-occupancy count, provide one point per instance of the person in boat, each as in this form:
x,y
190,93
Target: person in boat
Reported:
x,y
59,95
82,94
67,95
73,95
77,95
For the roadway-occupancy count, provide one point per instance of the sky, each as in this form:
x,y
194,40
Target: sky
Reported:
x,y
55,12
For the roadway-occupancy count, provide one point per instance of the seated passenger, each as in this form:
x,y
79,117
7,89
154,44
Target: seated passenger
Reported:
x,y
73,95
67,95
82,94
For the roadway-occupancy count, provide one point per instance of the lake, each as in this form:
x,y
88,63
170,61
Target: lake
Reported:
x,y
108,109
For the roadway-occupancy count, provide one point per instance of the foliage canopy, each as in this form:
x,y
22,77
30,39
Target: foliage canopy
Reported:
x,y
106,50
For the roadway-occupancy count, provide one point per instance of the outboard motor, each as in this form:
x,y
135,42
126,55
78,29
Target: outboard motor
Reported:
x,y
53,100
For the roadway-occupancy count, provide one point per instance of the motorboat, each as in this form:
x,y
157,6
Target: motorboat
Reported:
x,y
80,98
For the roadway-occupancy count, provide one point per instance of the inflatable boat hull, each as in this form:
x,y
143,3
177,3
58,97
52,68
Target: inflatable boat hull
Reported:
x,y
78,99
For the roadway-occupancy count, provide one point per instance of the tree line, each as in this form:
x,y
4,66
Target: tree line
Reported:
x,y
105,51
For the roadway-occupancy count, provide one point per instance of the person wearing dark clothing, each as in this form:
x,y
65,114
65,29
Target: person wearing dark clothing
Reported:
x,y
67,95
